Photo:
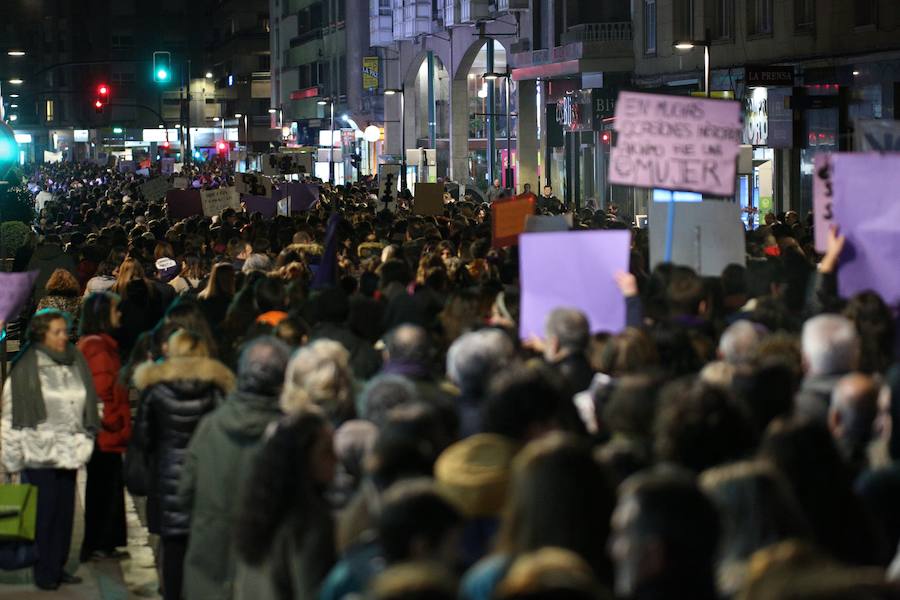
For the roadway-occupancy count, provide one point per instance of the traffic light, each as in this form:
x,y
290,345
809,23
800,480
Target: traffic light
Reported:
x,y
9,149
103,92
162,67
98,106
221,147
165,144
355,160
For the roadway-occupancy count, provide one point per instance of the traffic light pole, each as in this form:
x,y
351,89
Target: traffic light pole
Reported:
x,y
188,156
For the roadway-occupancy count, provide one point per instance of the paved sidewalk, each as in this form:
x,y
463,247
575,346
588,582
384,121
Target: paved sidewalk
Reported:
x,y
132,578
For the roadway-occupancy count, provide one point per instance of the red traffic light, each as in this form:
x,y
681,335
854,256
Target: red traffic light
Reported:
x,y
98,103
604,137
165,144
103,89
221,146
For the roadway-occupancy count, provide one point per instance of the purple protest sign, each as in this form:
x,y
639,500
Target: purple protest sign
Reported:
x,y
15,288
572,269
260,204
181,204
822,192
303,196
866,209
676,143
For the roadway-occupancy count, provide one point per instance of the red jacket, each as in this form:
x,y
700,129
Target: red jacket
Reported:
x,y
102,354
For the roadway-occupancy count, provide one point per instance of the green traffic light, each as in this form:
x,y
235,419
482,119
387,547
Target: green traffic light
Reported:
x,y
117,130
7,150
162,75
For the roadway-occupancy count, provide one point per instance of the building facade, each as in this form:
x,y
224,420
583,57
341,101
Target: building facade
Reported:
x,y
70,48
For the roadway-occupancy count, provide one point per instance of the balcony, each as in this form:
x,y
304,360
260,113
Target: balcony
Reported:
x,y
503,6
598,32
412,18
381,27
472,11
585,47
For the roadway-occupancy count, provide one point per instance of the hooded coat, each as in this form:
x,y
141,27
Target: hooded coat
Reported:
x,y
175,395
46,259
217,462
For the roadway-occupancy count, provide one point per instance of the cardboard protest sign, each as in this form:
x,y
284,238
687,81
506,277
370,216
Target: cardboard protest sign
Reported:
x,y
15,289
155,189
181,204
429,199
867,210
215,201
145,172
546,223
877,135
253,184
706,236
261,204
676,143
573,269
822,193
508,220
167,166
127,166
181,183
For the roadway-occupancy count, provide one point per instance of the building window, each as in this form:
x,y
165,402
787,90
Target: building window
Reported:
x,y
721,19
649,26
865,13
49,111
683,22
804,15
121,42
759,17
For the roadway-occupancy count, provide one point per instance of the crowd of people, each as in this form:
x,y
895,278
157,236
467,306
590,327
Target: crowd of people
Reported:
x,y
336,404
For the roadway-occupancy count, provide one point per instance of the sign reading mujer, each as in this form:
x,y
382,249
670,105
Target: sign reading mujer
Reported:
x,y
676,143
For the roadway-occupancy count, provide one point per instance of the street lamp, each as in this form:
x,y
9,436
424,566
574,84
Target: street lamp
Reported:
x,y
16,81
509,169
16,53
209,75
330,102
690,45
401,92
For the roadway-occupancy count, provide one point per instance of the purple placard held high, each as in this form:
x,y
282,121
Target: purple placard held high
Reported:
x,y
15,288
822,192
866,207
573,269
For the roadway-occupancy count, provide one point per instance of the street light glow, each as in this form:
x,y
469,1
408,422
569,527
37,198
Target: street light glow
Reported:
x,y
390,92
13,117
209,75
272,111
684,45
16,53
13,95
16,81
238,115
322,102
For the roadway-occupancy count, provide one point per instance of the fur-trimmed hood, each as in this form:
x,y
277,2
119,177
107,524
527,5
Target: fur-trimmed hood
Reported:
x,y
184,369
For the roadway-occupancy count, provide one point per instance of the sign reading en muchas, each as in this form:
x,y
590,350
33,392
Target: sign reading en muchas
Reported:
x,y
370,72
676,143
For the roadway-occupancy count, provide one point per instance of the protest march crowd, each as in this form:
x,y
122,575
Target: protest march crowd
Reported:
x,y
338,403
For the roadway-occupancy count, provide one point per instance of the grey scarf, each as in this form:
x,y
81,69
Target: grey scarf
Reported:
x,y
28,409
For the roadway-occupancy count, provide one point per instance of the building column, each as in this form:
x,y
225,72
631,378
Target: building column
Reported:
x,y
527,143
459,131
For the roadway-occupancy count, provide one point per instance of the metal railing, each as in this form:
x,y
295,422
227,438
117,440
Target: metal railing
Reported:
x,y
598,32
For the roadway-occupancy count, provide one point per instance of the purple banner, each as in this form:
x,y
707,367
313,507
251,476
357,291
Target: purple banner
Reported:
x,y
303,196
573,269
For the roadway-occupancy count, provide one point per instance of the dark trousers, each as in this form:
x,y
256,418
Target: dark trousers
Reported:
x,y
104,504
55,515
173,550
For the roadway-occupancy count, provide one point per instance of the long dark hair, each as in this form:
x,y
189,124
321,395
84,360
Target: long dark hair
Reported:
x,y
96,313
281,487
220,284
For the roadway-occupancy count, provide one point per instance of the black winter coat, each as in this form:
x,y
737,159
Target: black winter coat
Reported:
x,y
175,395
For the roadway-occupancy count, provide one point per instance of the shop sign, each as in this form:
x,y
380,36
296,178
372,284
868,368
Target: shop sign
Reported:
x,y
603,103
370,72
569,113
768,76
